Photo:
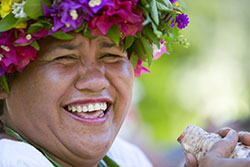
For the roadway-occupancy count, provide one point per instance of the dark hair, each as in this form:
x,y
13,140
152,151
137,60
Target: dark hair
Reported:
x,y
1,113
1,107
1,126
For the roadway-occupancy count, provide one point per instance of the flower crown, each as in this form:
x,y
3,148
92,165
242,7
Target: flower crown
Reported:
x,y
143,25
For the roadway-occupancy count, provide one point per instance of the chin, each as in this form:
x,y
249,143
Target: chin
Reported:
x,y
91,145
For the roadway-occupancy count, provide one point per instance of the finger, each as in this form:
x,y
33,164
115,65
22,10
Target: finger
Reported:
x,y
224,147
223,131
235,162
190,160
244,137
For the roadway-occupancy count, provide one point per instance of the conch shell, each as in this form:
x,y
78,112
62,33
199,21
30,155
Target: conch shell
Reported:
x,y
198,142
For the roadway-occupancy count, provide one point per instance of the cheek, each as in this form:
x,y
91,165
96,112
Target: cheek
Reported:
x,y
121,77
39,86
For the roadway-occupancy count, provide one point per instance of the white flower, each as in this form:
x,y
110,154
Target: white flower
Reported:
x,y
1,57
18,10
94,3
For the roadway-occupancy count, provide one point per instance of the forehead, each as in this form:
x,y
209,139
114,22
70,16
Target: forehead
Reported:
x,y
51,43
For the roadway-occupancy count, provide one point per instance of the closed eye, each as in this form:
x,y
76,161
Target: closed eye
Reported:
x,y
66,57
110,55
111,58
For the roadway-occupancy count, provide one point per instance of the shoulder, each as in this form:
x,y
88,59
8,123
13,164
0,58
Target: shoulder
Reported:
x,y
15,153
127,154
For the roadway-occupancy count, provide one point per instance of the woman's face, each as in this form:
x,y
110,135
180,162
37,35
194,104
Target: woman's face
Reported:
x,y
84,75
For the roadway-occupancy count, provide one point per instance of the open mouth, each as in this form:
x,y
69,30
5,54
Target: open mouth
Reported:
x,y
89,110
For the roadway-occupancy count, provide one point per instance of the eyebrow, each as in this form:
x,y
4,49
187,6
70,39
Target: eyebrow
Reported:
x,y
105,44
68,46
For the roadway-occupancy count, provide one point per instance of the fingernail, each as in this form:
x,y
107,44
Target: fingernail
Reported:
x,y
241,133
231,132
225,128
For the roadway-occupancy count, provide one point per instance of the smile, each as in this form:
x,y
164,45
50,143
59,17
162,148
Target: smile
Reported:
x,y
89,111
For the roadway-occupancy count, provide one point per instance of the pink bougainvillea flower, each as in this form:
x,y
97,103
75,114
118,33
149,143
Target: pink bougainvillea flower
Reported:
x,y
40,34
125,14
139,69
24,55
14,58
158,53
24,38
7,50
21,57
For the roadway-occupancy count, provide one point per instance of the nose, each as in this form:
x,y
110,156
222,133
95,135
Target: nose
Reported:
x,y
92,80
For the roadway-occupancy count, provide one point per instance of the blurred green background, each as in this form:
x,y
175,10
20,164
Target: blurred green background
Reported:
x,y
206,84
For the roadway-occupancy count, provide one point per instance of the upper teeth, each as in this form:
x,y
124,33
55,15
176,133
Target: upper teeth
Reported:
x,y
88,107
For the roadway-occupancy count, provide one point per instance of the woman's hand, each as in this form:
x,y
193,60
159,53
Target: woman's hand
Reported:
x,y
219,154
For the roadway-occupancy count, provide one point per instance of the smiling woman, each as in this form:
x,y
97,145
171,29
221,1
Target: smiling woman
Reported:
x,y
82,78
66,72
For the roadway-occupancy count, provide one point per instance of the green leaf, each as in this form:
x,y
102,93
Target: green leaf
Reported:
x,y
147,31
144,2
100,164
167,3
81,28
87,33
4,83
34,28
137,47
44,22
148,50
178,9
110,162
11,132
21,20
114,34
148,19
7,22
163,7
33,8
154,12
63,36
35,45
37,24
134,59
128,41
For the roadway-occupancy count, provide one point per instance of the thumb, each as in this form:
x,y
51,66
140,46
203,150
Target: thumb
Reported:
x,y
225,146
